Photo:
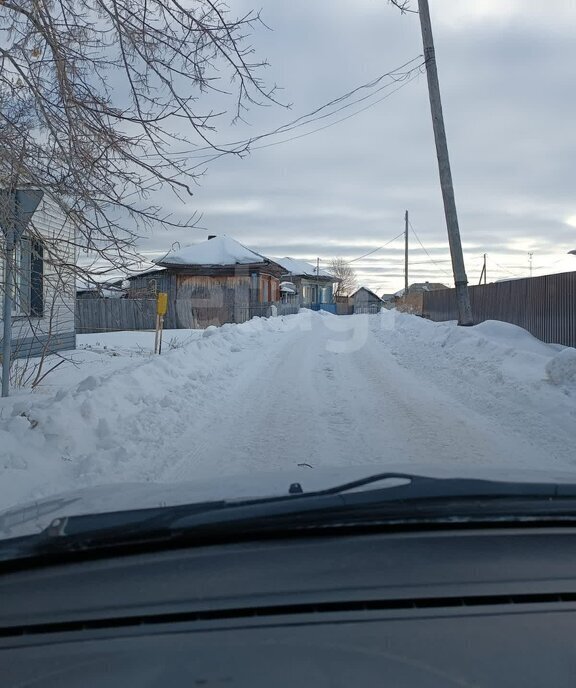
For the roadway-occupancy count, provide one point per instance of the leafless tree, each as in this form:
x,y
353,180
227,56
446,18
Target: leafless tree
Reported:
x,y
346,275
101,105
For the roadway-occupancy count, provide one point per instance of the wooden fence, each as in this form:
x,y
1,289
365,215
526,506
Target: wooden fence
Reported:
x,y
114,315
545,306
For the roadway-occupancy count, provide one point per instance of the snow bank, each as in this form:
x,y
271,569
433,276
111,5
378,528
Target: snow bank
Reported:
x,y
561,369
88,424
272,393
516,353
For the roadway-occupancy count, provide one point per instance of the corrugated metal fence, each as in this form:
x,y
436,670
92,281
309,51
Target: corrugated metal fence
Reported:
x,y
545,306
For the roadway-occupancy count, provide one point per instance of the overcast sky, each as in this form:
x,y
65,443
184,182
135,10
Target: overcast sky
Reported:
x,y
507,73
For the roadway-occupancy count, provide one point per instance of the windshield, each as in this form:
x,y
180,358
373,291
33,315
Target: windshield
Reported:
x,y
253,252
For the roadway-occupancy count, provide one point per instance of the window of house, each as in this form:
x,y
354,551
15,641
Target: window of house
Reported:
x,y
28,284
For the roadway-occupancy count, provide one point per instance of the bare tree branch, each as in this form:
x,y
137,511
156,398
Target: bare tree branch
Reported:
x,y
95,93
346,277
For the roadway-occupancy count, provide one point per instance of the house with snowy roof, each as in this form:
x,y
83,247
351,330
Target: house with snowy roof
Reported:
x,y
305,284
212,282
366,301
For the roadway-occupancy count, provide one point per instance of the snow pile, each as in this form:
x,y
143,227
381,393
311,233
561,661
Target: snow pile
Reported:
x,y
501,346
561,369
83,429
298,392
221,250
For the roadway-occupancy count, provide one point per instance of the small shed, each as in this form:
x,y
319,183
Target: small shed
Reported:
x,y
366,301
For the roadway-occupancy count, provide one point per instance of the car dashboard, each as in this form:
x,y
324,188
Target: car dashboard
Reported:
x,y
482,607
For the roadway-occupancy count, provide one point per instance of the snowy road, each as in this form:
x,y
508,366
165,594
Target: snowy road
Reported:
x,y
367,394
288,393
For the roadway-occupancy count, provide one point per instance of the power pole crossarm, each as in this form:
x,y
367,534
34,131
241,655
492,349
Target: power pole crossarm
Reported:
x,y
460,279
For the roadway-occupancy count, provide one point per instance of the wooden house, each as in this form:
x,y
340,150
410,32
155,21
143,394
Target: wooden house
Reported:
x,y
366,301
44,295
215,281
304,285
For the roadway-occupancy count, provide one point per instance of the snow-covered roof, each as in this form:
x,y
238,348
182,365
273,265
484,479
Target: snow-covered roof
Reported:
x,y
288,287
221,250
369,291
301,268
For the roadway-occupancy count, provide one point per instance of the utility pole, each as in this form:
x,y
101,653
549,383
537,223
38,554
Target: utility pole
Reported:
x,y
9,246
530,262
483,273
406,254
460,279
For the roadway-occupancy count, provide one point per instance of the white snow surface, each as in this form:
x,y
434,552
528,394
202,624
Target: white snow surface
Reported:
x,y
293,393
222,250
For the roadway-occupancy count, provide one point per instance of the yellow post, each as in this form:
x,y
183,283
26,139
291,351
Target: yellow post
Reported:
x,y
161,310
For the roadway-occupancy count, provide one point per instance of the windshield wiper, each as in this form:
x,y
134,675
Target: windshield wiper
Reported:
x,y
419,499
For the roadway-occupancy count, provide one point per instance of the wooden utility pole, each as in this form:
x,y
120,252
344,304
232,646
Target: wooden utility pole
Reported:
x,y
406,254
483,272
460,279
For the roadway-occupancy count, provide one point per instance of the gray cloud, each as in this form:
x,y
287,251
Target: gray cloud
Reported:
x,y
508,83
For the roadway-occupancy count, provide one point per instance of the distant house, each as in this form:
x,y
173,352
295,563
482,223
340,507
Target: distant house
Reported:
x,y
95,288
413,301
366,301
303,284
215,281
44,289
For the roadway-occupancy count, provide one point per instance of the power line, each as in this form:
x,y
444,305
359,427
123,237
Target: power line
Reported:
x,y
244,146
376,249
506,270
342,119
396,75
426,251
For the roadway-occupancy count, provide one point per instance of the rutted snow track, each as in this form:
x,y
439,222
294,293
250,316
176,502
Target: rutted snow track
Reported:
x,y
302,391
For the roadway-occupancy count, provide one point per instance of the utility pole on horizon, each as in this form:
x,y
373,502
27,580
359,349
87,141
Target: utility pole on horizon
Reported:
x,y
460,278
406,254
483,273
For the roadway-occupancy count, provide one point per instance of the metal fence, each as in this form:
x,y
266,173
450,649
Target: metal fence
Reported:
x,y
545,306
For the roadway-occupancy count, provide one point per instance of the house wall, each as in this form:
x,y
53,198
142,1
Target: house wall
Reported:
x,y
54,330
307,287
364,298
148,284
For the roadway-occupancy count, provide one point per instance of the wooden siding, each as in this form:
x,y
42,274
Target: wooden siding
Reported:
x,y
210,300
363,297
30,347
59,289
